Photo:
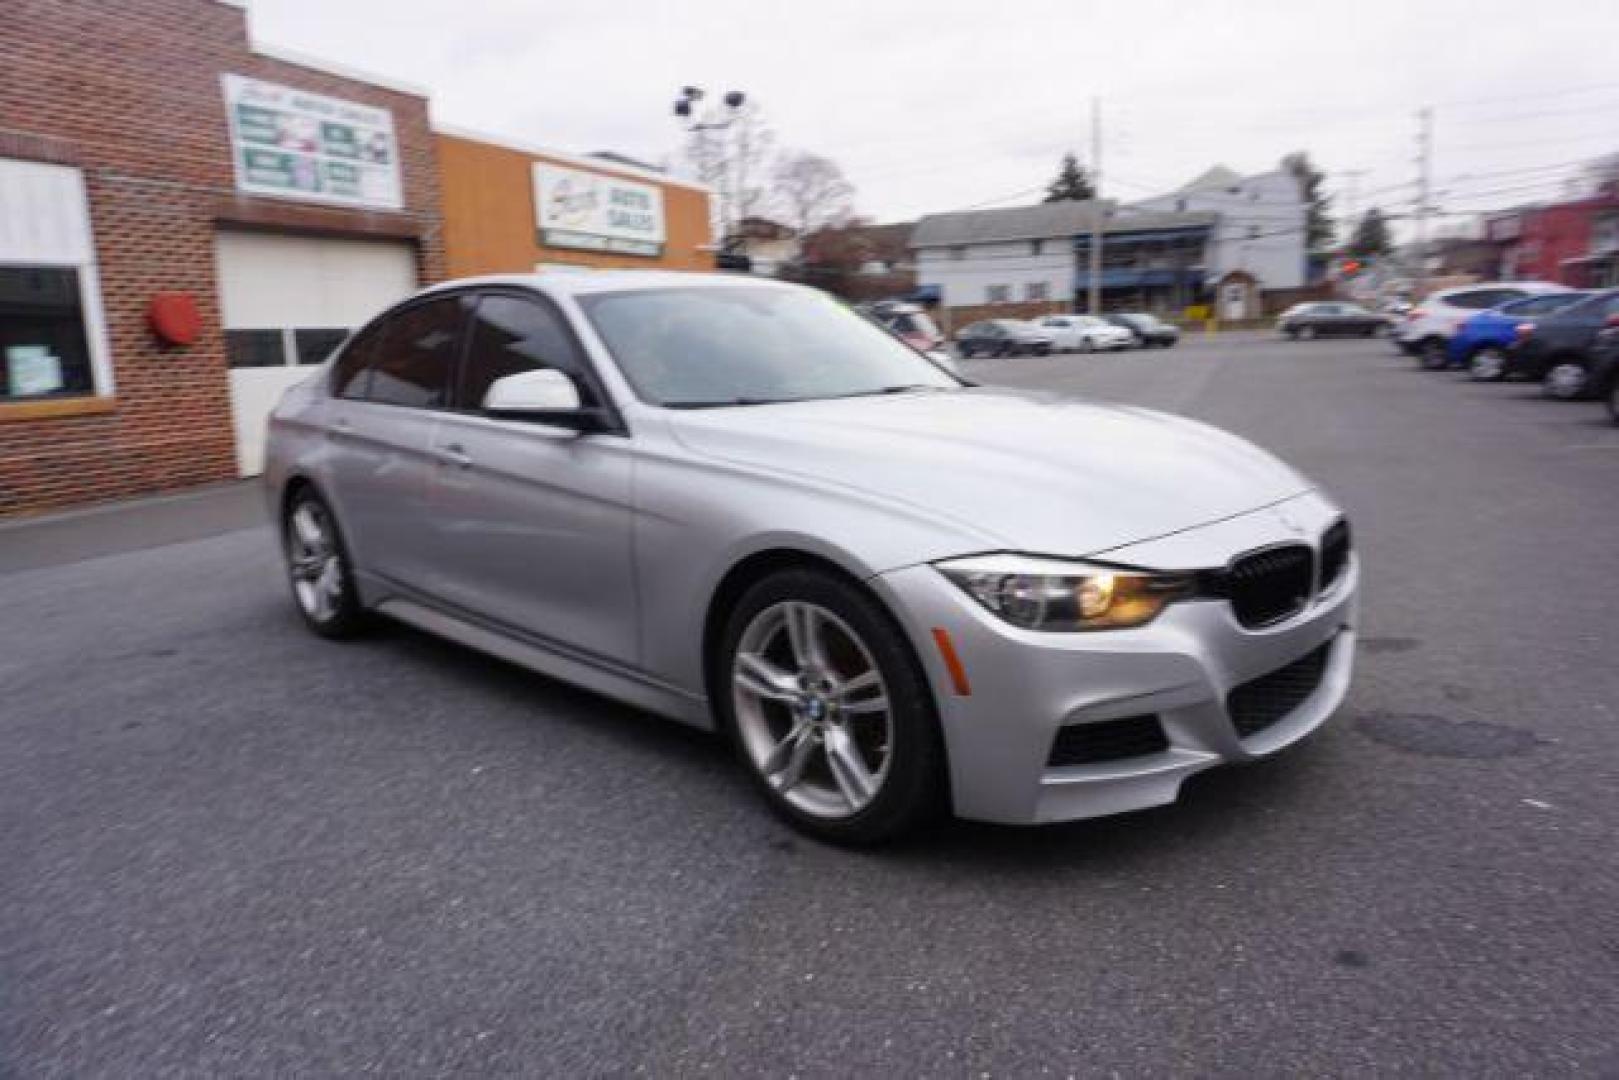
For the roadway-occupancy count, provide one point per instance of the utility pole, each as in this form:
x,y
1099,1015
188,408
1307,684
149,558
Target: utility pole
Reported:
x,y
1424,192
1094,294
1352,199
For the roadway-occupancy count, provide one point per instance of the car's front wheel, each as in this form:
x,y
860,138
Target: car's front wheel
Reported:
x,y
318,567
829,709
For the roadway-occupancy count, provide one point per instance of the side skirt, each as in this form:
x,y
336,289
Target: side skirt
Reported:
x,y
526,652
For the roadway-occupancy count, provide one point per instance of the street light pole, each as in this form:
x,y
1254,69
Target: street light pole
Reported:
x,y
1094,294
685,110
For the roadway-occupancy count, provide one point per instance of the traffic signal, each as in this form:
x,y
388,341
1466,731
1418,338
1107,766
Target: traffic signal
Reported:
x,y
1350,267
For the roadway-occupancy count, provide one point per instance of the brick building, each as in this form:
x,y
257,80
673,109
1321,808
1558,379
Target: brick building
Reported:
x,y
186,220
1575,242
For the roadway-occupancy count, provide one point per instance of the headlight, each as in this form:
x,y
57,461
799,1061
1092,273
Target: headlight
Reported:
x,y
1058,594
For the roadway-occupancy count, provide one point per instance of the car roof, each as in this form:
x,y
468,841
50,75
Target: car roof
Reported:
x,y
587,282
1526,286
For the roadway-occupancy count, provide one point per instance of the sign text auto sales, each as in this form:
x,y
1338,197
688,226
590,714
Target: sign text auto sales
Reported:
x,y
597,212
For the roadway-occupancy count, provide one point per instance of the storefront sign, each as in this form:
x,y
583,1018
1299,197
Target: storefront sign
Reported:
x,y
592,212
307,146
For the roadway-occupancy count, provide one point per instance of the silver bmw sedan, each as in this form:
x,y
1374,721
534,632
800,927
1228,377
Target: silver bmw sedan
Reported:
x,y
740,505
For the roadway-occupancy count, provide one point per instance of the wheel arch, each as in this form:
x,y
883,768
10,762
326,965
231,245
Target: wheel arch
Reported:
x,y
748,571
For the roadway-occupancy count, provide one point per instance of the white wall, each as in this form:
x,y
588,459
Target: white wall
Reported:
x,y
1261,228
966,281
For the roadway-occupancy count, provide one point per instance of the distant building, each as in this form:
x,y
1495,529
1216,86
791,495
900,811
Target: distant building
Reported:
x,y
1574,242
1222,233
1263,224
768,246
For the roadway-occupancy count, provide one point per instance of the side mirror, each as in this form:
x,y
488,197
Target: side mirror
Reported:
x,y
544,394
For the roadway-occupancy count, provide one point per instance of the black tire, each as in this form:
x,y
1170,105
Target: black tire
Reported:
x,y
1433,355
914,788
1613,398
1306,333
344,617
1086,345
967,352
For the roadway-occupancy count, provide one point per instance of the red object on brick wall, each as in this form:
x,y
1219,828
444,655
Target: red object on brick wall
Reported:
x,y
129,92
175,318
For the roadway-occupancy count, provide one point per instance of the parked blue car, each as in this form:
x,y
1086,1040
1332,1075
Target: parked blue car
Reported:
x,y
1480,344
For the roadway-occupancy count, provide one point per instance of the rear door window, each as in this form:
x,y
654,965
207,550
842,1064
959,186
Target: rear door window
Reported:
x,y
413,357
1479,299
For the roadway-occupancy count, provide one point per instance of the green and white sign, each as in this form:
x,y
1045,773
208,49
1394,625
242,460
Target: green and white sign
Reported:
x,y
300,145
591,211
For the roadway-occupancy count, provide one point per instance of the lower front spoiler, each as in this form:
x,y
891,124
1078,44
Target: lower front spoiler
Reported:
x,y
1084,791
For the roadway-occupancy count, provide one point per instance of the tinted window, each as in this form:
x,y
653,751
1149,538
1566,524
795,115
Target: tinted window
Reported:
x,y
1479,299
512,335
352,372
413,354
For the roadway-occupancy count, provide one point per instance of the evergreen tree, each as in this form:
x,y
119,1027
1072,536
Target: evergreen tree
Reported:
x,y
1371,235
1072,182
1318,226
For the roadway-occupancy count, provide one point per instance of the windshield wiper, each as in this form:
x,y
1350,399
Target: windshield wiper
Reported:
x,y
721,403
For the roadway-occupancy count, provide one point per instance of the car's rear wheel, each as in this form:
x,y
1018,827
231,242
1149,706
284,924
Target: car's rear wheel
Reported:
x,y
829,709
1087,345
1489,364
1565,380
1306,333
1613,399
318,567
1434,356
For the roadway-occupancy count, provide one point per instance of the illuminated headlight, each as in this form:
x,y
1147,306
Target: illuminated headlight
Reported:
x,y
1058,594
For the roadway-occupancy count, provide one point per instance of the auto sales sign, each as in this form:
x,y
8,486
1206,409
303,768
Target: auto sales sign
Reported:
x,y
594,212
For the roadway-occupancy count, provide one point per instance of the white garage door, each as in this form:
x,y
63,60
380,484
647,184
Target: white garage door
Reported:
x,y
285,302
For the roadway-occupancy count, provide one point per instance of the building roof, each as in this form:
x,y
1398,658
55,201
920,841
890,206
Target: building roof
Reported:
x,y
1220,176
1041,222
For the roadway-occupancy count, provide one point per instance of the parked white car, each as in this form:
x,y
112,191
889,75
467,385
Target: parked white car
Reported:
x,y
1085,333
1426,329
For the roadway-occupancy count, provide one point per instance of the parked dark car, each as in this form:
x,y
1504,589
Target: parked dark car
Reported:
x,y
1480,344
1003,337
1556,351
1149,330
1605,370
1331,319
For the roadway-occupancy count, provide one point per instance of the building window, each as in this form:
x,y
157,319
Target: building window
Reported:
x,y
1036,290
42,338
1037,247
998,294
958,253
314,346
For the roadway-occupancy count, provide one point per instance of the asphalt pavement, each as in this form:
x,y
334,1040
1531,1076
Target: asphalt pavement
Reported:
x,y
228,847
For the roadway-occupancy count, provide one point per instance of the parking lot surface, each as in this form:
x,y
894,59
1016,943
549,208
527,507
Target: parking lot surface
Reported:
x,y
230,847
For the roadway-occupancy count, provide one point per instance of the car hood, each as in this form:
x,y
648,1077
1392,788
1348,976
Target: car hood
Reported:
x,y
1007,468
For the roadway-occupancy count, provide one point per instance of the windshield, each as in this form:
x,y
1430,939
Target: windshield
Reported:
x,y
738,345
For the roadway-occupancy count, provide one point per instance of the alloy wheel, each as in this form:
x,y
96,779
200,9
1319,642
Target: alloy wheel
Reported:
x,y
313,561
1488,365
1566,381
812,709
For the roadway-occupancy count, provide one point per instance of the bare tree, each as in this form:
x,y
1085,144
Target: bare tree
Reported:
x,y
812,191
733,159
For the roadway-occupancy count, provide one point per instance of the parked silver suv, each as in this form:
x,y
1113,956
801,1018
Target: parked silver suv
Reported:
x,y
741,505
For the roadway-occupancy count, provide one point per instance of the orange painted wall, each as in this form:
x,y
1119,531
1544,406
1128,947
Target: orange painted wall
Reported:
x,y
489,215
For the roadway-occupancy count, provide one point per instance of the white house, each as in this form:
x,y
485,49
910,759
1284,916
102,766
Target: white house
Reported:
x,y
1262,226
1014,254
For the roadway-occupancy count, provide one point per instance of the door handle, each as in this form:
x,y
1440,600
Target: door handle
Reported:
x,y
454,454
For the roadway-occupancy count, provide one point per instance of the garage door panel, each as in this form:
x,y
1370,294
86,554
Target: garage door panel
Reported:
x,y
291,283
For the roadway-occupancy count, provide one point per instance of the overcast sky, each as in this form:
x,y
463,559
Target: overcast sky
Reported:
x,y
933,106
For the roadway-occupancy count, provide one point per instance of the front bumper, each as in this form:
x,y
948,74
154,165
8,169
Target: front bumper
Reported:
x,y
1025,686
